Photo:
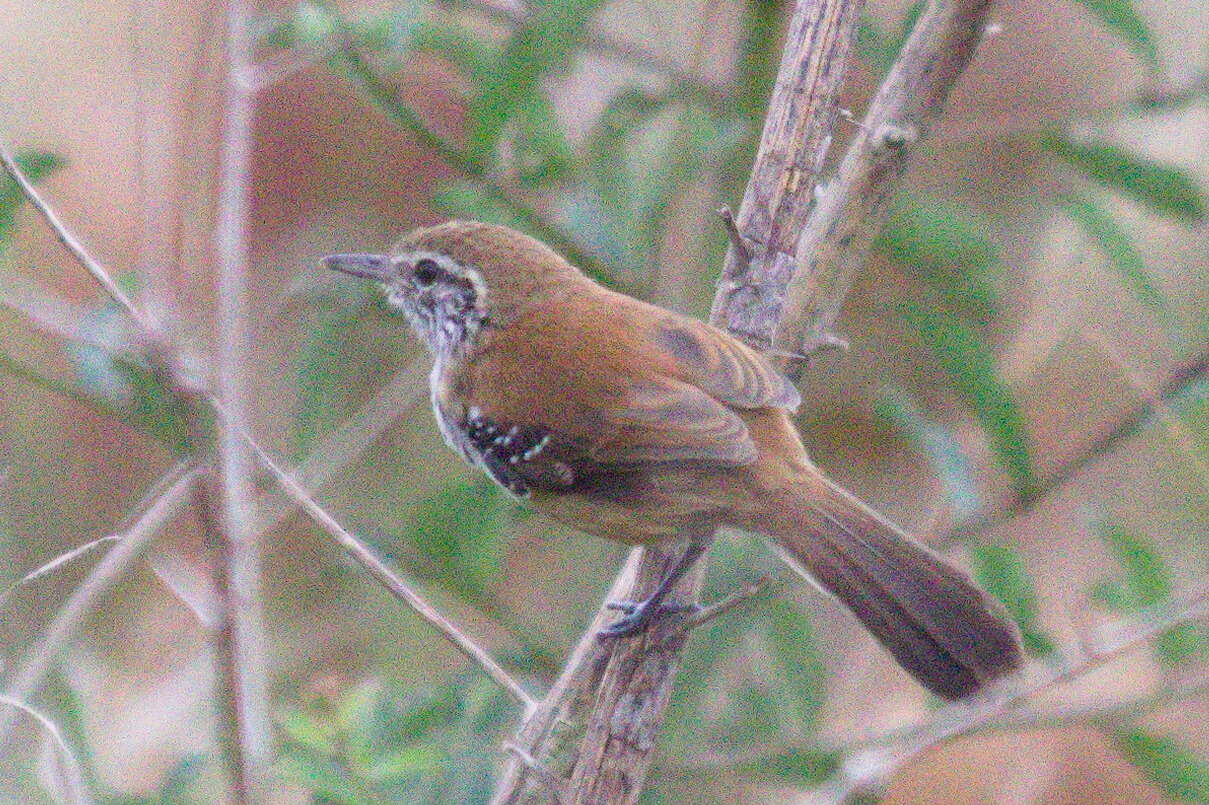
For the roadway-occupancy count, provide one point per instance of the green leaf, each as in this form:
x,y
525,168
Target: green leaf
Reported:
x,y
307,731
1181,644
803,672
1000,569
608,144
1123,19
453,42
800,766
1165,189
946,245
466,199
36,165
1178,771
879,50
1148,582
323,776
1112,595
459,531
543,155
1147,579
139,396
1123,256
324,372
970,365
408,762
939,444
543,45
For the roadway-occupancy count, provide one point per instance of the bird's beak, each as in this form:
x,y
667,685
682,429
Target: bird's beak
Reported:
x,y
366,266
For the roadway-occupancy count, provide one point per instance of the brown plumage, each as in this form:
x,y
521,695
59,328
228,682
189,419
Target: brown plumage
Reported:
x,y
641,425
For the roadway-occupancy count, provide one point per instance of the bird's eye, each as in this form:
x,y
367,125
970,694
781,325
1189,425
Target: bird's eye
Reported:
x,y
426,272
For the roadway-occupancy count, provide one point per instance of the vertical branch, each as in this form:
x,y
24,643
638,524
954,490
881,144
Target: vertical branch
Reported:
x,y
839,233
242,641
780,192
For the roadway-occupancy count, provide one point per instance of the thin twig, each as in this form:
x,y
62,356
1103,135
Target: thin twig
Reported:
x,y
69,241
724,605
870,767
75,790
53,564
130,547
733,235
1183,379
392,582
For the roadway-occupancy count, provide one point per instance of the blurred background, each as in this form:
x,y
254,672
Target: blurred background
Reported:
x,y
1026,386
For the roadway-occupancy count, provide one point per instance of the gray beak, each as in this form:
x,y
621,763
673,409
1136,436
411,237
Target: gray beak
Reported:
x,y
366,266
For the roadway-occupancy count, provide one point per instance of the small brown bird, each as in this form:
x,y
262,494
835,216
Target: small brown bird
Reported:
x,y
642,425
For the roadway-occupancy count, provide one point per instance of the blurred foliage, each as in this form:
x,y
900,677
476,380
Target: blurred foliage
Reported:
x,y
970,364
36,165
1147,583
939,445
370,743
1123,255
1179,772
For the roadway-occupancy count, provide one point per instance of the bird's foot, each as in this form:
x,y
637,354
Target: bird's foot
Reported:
x,y
639,615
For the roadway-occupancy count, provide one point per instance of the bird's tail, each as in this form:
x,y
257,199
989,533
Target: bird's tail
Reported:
x,y
944,630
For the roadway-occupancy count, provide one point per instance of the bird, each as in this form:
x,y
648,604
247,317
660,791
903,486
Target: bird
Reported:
x,y
642,425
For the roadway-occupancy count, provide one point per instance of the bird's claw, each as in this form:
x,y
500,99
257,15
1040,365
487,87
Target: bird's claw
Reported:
x,y
639,615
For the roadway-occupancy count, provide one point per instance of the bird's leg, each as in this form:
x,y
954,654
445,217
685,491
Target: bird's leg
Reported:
x,y
641,614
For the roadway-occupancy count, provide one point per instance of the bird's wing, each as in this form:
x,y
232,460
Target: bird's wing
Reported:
x,y
722,365
619,384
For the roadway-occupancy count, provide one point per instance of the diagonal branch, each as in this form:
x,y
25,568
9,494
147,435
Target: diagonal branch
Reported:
x,y
69,241
391,581
869,769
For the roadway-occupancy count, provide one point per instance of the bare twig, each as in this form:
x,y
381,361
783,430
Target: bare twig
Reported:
x,y
131,546
391,581
74,789
780,193
839,233
1183,379
723,605
742,253
69,241
53,564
